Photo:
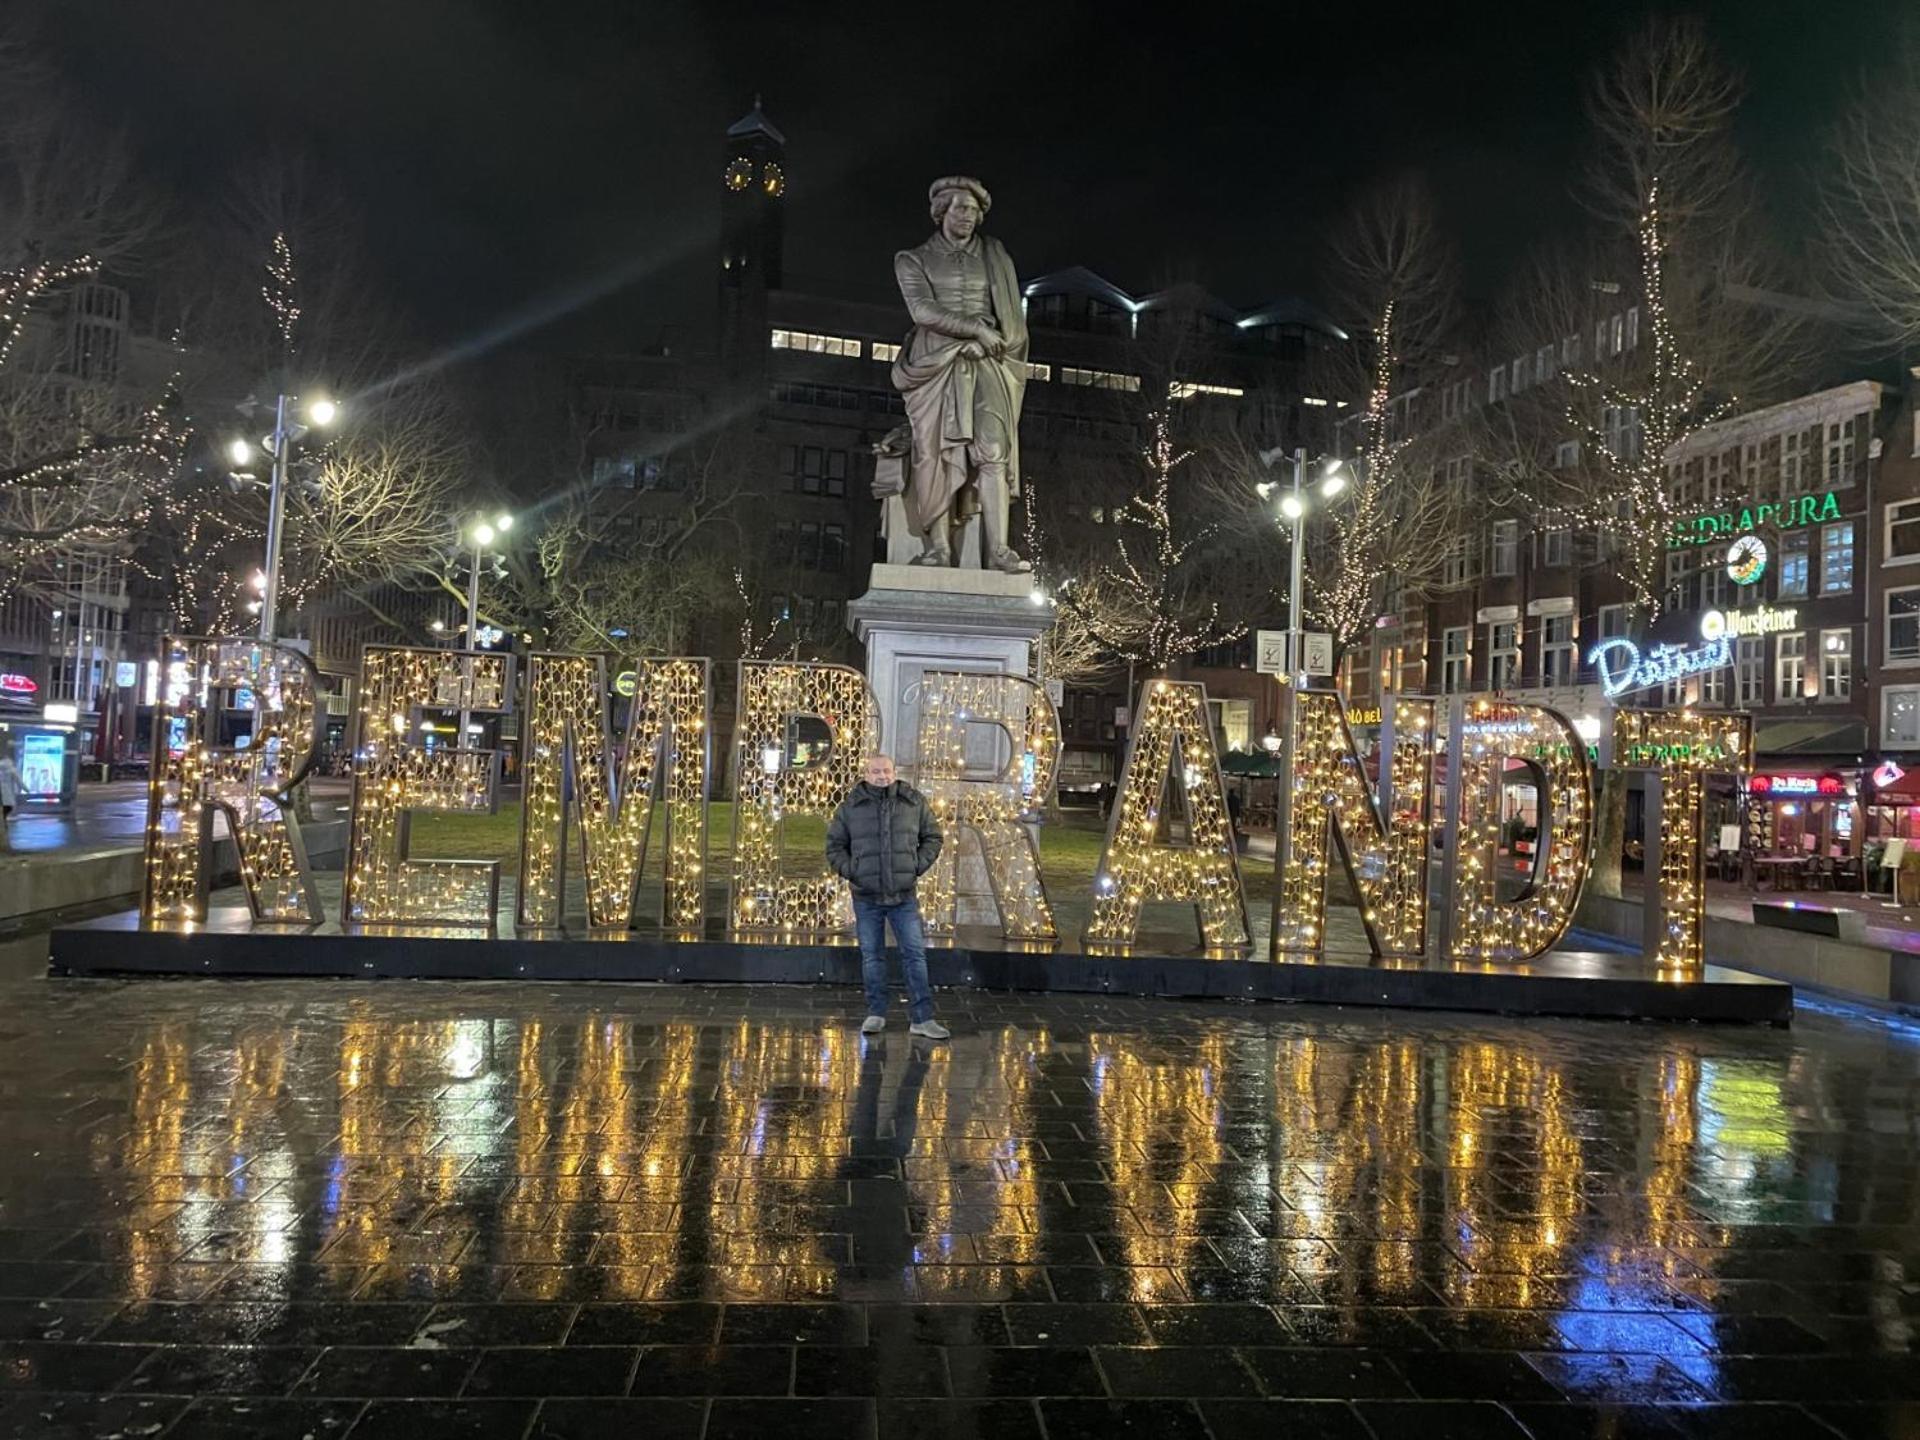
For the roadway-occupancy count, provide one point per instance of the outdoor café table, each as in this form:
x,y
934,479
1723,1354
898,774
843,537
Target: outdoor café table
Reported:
x,y
1782,867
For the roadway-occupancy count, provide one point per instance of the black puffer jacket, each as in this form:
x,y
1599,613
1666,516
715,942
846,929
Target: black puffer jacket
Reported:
x,y
883,840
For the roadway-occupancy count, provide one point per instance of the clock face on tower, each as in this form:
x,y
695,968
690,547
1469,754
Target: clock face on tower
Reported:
x,y
739,174
772,180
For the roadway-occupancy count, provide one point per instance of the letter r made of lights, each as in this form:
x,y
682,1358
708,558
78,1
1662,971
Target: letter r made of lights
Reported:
x,y
236,728
1008,714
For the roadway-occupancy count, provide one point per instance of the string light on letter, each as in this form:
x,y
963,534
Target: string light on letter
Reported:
x,y
1385,858
568,744
1492,742
1680,748
1172,744
997,811
772,782
267,694
394,775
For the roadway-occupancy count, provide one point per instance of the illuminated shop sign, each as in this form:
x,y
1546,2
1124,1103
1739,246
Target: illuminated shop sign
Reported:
x,y
1623,669
1789,514
1784,786
1887,773
1747,560
1766,620
11,684
1364,715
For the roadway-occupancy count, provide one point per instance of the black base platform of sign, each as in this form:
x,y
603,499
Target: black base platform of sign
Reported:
x,y
1591,983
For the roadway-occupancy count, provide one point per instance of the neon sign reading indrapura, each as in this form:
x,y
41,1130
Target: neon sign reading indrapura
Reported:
x,y
1623,668
1785,514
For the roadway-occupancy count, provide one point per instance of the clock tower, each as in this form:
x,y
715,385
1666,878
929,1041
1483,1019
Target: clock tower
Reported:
x,y
753,188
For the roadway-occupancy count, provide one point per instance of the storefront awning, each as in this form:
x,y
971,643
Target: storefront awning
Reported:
x,y
1809,737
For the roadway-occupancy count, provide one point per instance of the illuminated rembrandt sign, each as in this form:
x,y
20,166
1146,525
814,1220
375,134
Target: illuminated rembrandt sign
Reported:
x,y
1789,514
595,798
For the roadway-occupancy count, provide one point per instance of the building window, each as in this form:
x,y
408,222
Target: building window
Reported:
x,y
833,546
1713,687
1619,333
1099,379
1503,647
1839,454
1556,547
1621,427
1613,622
1557,655
1716,586
1750,671
1794,479
809,555
1456,658
1506,547
1836,559
884,352
1600,351
1903,624
1566,455
1543,365
1793,566
1900,715
817,344
1457,568
1496,384
1836,664
1633,327
1039,372
1903,531
1790,668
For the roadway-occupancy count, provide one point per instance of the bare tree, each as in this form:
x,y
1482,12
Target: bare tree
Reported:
x,y
1154,601
1397,519
1870,202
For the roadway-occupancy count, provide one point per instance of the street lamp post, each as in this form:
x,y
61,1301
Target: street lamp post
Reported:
x,y
482,534
1294,508
279,448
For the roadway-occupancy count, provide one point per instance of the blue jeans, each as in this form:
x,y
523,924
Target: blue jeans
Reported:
x,y
870,921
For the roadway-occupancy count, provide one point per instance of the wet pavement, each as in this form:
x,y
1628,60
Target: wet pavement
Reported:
x,y
474,1210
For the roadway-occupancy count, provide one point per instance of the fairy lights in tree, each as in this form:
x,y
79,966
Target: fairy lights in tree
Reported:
x,y
22,286
1636,505
278,291
1148,612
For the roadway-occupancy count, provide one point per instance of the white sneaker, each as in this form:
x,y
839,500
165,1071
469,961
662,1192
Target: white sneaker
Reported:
x,y
873,1024
930,1030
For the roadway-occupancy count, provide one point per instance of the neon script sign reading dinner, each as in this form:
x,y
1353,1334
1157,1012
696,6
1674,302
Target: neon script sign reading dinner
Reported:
x,y
594,799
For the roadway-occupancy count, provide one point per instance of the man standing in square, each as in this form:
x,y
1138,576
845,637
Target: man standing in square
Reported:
x,y
882,840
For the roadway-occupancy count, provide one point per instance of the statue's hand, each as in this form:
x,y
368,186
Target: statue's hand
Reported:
x,y
992,342
973,350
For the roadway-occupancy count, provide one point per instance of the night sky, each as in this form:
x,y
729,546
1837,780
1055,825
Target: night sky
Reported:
x,y
518,158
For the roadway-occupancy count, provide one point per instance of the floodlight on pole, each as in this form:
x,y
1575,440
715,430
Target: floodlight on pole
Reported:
x,y
322,411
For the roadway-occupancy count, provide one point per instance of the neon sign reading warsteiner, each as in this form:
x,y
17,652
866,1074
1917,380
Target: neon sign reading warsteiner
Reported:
x,y
1788,514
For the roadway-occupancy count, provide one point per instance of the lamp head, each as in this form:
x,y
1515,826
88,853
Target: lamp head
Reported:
x,y
483,534
239,451
322,411
1293,507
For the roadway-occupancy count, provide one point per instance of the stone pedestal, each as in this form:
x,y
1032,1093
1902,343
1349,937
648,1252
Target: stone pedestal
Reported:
x,y
916,618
